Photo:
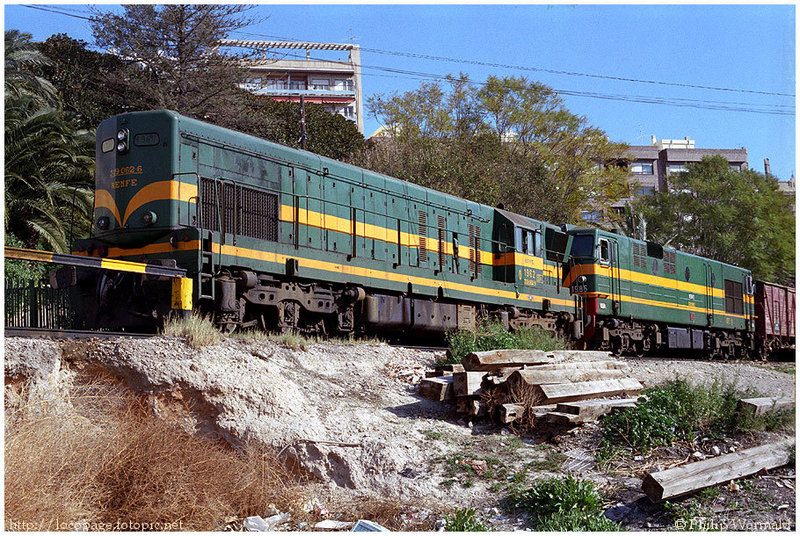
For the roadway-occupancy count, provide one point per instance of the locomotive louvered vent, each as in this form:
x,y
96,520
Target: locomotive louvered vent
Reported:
x,y
423,231
244,211
441,241
639,252
474,249
669,262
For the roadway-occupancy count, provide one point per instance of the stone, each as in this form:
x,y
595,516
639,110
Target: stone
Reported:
x,y
715,450
439,525
271,510
638,458
697,455
783,507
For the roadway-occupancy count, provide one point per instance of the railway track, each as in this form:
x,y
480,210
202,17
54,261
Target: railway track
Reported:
x,y
70,333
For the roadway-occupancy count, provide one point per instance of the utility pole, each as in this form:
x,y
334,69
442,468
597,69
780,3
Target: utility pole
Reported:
x,y
302,122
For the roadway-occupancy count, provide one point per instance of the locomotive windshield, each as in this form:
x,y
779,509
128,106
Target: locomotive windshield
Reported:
x,y
583,246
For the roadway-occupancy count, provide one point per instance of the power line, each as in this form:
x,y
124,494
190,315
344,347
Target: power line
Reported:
x,y
775,109
542,69
40,8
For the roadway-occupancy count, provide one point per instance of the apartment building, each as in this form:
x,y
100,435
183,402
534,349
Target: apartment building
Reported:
x,y
286,70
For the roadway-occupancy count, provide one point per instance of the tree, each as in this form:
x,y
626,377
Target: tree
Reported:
x,y
21,62
738,217
509,141
84,80
48,162
171,57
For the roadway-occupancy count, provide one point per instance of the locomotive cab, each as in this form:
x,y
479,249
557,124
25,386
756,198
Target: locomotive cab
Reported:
x,y
135,180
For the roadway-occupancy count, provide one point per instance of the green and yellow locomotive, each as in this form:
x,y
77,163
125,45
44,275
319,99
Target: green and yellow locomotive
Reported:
x,y
638,296
281,238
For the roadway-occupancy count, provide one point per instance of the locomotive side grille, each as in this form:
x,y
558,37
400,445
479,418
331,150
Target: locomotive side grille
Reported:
x,y
423,243
472,247
208,205
259,214
441,237
669,262
245,211
639,251
478,265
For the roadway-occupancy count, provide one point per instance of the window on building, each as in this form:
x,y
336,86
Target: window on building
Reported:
x,y
323,84
343,84
348,111
591,215
735,167
645,190
676,168
642,168
275,83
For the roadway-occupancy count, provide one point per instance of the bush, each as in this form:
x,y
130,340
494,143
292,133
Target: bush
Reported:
x,y
563,504
677,411
464,520
491,335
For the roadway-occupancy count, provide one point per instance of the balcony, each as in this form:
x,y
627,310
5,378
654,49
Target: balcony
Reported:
x,y
275,92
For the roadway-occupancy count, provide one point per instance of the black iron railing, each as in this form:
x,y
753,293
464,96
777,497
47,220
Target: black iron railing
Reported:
x,y
34,304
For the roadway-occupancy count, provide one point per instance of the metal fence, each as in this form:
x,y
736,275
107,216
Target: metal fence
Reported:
x,y
34,304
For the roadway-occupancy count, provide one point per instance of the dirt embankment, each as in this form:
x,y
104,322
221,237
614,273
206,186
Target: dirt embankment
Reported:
x,y
348,416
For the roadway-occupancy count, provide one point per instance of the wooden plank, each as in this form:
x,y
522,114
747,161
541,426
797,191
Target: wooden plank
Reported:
x,y
760,406
477,407
584,365
699,475
568,392
467,383
591,410
535,376
495,359
557,417
511,412
440,388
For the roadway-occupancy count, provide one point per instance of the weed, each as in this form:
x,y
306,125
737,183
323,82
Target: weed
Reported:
x,y
562,504
198,330
468,483
433,434
491,335
293,341
686,515
495,487
678,410
447,484
464,520
552,462
514,443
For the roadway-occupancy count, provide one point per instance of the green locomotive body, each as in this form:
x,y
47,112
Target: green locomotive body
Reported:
x,y
639,296
286,238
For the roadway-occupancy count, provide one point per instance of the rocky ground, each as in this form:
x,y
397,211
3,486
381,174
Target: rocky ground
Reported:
x,y
349,417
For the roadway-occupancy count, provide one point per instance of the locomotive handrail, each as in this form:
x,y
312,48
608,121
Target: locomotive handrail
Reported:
x,y
92,262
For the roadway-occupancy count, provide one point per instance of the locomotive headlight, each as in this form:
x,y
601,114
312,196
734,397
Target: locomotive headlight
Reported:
x,y
103,223
581,279
122,140
149,218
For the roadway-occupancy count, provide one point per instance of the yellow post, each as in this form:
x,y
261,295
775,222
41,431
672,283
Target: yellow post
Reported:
x,y
182,294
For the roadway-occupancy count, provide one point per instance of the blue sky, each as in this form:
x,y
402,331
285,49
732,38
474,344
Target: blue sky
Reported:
x,y
739,47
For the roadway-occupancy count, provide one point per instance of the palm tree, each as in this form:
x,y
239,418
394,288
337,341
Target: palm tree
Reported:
x,y
48,163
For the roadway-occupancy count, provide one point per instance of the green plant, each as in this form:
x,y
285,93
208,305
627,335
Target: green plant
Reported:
x,y
679,410
552,462
464,520
433,434
491,335
562,504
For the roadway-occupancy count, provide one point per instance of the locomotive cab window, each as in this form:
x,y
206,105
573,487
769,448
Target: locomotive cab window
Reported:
x,y
528,242
604,251
582,246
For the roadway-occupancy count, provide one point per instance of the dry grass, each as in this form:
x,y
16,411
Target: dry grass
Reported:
x,y
393,514
198,330
110,461
528,397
